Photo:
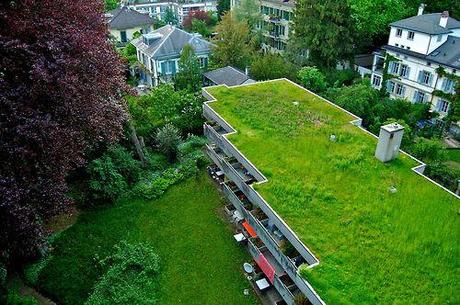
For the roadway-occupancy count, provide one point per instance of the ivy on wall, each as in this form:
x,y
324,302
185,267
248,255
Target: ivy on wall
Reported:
x,y
386,75
453,98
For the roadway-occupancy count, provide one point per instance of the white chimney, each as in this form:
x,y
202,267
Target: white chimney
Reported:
x,y
389,141
420,9
444,18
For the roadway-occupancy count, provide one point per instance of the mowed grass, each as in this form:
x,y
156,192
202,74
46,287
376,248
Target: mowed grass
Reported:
x,y
374,246
200,260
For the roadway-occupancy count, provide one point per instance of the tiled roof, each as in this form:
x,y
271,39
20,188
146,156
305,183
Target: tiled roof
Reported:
x,y
427,23
124,18
227,76
172,42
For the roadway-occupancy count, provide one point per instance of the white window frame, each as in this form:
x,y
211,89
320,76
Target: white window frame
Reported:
x,y
399,90
404,71
376,80
410,35
442,106
399,32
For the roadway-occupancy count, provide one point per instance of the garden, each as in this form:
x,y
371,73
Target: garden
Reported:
x,y
367,222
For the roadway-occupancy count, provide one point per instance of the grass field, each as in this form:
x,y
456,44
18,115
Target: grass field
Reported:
x,y
374,246
200,261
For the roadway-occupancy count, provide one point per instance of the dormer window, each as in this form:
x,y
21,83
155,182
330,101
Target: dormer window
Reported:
x,y
410,35
398,32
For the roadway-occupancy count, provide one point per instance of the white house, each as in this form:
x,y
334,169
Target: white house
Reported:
x,y
419,45
277,18
124,22
181,9
159,53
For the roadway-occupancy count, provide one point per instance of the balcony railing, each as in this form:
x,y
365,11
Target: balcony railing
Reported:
x,y
285,293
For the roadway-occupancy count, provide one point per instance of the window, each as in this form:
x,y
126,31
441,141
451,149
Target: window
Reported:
x,y
425,78
390,86
203,61
410,35
376,80
400,90
398,32
419,97
442,106
439,38
448,85
168,67
393,67
404,71
123,36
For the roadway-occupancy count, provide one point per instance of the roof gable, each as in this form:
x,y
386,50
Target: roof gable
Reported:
x,y
427,23
124,18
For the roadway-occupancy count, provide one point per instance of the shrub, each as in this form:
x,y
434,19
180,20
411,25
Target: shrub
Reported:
x,y
313,79
125,163
272,66
444,175
15,298
339,78
167,140
32,271
131,276
429,150
105,183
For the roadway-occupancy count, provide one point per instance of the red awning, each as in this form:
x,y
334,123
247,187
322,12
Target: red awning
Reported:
x,y
266,267
250,229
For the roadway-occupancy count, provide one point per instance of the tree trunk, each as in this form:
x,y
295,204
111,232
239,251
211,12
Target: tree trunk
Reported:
x,y
136,143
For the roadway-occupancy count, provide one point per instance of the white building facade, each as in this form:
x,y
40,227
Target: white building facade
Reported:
x,y
181,9
417,48
159,51
277,16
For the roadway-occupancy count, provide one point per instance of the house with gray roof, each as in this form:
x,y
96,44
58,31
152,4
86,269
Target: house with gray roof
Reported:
x,y
158,53
124,22
228,75
418,46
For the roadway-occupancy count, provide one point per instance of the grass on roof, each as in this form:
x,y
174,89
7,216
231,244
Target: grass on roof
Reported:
x,y
374,246
200,262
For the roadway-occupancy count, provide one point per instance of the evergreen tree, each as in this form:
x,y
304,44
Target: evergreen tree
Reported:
x,y
325,29
189,77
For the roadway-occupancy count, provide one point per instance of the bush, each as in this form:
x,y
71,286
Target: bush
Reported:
x,y
32,271
444,175
312,79
429,150
167,140
272,66
338,78
15,298
106,183
125,163
131,277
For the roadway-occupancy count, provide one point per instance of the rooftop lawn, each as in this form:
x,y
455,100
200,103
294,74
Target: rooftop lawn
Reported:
x,y
200,260
374,247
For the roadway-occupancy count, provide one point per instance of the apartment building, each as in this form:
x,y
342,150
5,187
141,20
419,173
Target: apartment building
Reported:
x,y
320,204
276,22
181,9
159,51
417,48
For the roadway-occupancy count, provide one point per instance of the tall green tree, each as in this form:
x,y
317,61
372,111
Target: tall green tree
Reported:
x,y
249,11
233,42
170,17
223,6
325,29
190,75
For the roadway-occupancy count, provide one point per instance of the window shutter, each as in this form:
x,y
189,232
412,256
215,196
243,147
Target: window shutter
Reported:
x,y
430,79
407,71
390,87
163,67
414,98
390,66
444,85
173,67
403,91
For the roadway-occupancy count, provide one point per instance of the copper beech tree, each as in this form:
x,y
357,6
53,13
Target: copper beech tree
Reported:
x,y
61,86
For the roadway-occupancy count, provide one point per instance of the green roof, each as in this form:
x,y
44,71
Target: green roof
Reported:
x,y
374,246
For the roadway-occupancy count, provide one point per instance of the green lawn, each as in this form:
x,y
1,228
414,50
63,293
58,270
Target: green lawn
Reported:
x,y
374,246
453,158
200,260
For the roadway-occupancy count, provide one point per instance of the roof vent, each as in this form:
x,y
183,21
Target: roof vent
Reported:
x,y
444,18
389,141
420,9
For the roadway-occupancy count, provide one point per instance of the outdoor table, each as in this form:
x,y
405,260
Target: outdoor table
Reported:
x,y
263,284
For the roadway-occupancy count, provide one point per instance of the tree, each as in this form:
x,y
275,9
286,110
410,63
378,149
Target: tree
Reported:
x,y
248,11
61,90
233,43
199,26
325,29
165,105
170,17
198,15
223,6
168,139
110,5
312,79
189,77
429,150
272,66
